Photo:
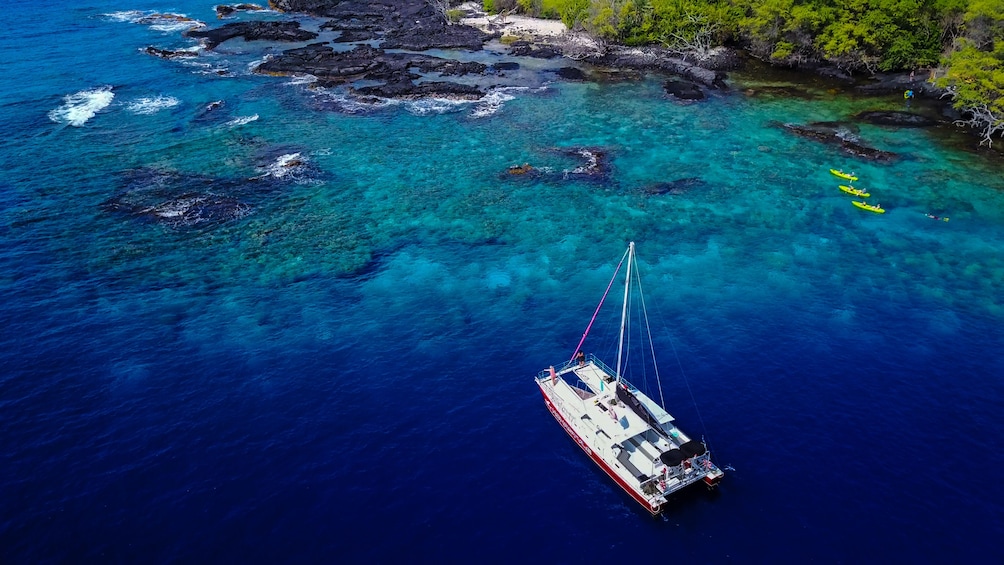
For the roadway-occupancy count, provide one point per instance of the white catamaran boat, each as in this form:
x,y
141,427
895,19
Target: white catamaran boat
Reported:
x,y
629,435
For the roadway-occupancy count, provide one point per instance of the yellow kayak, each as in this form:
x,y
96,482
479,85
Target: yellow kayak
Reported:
x,y
876,208
854,191
844,175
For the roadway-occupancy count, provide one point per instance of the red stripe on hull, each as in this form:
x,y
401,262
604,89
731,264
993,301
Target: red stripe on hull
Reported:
x,y
596,459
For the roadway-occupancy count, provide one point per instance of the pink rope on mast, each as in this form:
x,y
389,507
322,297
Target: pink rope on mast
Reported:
x,y
598,306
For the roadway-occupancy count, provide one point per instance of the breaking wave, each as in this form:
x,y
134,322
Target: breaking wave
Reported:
x,y
339,101
146,106
80,107
429,106
297,80
290,166
497,97
242,120
162,22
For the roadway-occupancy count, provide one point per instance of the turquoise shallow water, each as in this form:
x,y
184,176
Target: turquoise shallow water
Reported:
x,y
345,367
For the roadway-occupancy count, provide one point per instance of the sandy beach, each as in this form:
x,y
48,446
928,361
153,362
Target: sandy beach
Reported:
x,y
513,25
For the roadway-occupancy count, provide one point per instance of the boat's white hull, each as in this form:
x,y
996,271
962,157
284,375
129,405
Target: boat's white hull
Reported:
x,y
646,479
653,508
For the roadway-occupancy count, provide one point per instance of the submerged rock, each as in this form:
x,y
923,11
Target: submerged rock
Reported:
x,y
168,53
683,90
785,91
595,166
213,112
676,187
181,200
408,90
186,210
521,170
571,73
527,49
224,10
176,199
505,66
194,209
894,118
160,19
252,31
526,171
849,145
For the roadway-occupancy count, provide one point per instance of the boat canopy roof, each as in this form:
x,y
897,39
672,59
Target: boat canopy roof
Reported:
x,y
653,407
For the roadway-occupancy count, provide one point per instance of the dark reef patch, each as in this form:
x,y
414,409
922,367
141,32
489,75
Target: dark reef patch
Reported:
x,y
676,187
252,31
571,73
394,70
894,118
683,90
835,137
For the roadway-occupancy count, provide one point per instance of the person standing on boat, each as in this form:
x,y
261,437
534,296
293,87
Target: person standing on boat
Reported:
x,y
581,358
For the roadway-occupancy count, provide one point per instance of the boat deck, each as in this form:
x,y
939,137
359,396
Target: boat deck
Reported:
x,y
613,425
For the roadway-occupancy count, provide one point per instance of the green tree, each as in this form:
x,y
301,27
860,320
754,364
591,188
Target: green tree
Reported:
x,y
975,69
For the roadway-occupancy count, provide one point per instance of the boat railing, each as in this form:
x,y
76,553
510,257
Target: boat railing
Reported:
x,y
703,462
596,360
592,358
546,373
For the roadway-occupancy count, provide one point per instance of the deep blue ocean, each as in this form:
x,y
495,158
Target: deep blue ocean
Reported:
x,y
297,329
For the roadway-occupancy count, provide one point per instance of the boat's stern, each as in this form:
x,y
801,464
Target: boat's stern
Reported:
x,y
713,477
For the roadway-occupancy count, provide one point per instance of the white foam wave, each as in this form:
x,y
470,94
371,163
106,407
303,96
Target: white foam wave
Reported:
x,y
253,65
82,106
242,120
350,105
429,106
492,102
205,68
147,106
297,80
176,208
497,97
211,70
131,16
288,166
160,21
173,27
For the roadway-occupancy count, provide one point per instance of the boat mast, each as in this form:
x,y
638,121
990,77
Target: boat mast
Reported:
x,y
627,286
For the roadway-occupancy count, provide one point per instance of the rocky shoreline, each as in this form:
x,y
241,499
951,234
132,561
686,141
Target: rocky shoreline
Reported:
x,y
413,25
389,38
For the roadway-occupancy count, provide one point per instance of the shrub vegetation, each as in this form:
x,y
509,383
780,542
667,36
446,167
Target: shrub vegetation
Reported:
x,y
958,43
